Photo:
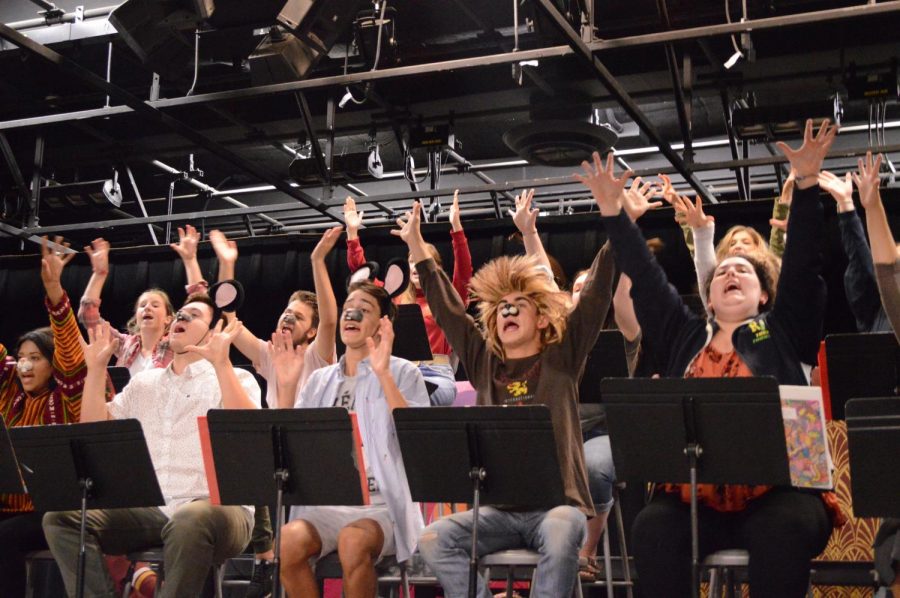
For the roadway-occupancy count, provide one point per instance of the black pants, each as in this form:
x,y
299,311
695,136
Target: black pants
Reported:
x,y
19,535
782,530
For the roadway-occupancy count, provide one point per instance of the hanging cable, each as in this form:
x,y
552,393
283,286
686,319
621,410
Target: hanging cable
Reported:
x,y
378,39
196,60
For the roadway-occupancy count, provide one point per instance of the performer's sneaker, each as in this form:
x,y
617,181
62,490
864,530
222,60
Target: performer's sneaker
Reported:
x,y
261,580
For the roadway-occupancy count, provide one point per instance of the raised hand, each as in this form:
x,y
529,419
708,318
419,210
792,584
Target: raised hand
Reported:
x,y
380,352
667,190
98,251
807,160
410,232
867,180
287,359
326,243
841,189
694,216
525,217
637,199
607,190
53,263
226,251
216,350
188,239
101,346
455,222
352,218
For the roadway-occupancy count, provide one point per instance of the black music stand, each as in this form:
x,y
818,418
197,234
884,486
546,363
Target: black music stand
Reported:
x,y
873,436
410,336
10,478
860,366
80,466
697,431
284,456
606,360
491,455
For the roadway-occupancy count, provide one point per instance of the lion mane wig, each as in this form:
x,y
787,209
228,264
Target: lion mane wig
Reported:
x,y
518,274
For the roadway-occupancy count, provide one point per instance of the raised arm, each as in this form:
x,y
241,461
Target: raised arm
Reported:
x,y
67,356
327,304
226,254
660,310
884,248
446,305
800,300
7,376
356,257
780,214
703,229
101,346
462,257
186,248
525,219
89,308
859,277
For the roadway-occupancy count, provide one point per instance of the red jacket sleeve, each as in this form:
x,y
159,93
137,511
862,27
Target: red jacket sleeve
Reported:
x,y
462,264
356,257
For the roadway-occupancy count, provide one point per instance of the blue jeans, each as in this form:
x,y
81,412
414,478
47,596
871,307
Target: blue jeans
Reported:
x,y
444,378
601,473
556,534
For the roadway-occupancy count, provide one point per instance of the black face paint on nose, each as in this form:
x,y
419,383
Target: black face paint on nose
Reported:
x,y
183,316
508,309
353,315
290,319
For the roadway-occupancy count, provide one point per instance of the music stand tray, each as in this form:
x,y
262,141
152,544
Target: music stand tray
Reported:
x,y
492,455
287,456
873,436
861,366
697,431
80,466
10,478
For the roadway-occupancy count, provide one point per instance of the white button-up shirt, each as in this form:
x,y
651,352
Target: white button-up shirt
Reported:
x,y
168,405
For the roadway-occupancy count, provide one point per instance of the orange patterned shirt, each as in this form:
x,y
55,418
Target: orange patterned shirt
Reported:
x,y
61,405
712,364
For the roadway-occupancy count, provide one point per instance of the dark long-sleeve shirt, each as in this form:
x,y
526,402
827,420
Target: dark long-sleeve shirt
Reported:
x,y
859,278
560,365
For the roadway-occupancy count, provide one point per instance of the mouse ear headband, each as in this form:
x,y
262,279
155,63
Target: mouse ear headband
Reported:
x,y
396,277
228,296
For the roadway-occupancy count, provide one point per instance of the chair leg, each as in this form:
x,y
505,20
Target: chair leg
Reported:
x,y
510,575
404,579
623,548
607,563
219,575
714,588
728,578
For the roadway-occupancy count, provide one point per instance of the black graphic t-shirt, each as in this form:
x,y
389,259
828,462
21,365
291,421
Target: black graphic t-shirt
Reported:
x,y
516,382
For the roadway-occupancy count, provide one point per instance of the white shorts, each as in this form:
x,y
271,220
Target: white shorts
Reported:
x,y
329,521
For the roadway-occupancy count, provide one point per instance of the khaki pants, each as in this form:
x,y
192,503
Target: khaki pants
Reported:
x,y
197,536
